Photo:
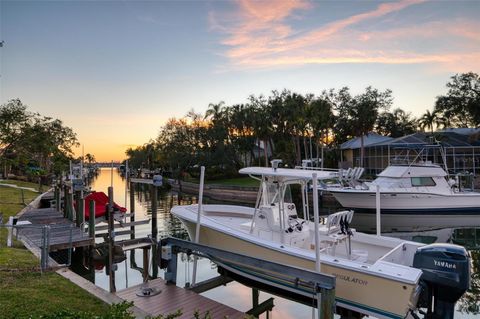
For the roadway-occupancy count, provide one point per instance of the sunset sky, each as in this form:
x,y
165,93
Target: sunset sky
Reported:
x,y
115,71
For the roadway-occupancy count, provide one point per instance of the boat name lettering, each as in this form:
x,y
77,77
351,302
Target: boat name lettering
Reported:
x,y
351,279
444,264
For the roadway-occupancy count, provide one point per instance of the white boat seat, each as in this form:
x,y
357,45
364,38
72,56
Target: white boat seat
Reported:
x,y
329,233
332,226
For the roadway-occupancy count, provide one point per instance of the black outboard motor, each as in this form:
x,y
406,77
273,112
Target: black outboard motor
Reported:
x,y
445,278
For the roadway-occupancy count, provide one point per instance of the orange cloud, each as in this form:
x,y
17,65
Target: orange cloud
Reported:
x,y
260,37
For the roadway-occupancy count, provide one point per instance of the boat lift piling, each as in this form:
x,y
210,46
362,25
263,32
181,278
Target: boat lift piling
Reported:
x,y
317,236
111,241
153,197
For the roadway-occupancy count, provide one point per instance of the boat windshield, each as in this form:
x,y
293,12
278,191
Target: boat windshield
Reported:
x,y
274,193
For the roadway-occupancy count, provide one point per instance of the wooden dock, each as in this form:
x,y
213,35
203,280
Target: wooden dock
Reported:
x,y
173,298
59,233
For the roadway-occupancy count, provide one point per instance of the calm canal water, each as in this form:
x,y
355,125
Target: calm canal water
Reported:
x,y
129,271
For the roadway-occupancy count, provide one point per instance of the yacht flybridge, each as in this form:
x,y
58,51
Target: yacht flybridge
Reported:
x,y
380,276
419,195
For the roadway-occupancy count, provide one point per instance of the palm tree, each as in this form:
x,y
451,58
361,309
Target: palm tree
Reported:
x,y
215,111
90,158
429,119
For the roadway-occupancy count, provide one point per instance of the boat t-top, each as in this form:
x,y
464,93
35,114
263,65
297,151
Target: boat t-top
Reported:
x,y
375,275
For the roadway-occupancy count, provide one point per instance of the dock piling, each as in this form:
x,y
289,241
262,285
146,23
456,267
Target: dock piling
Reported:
x,y
71,202
91,219
145,264
154,229
132,210
80,208
43,251
327,306
111,241
57,197
153,190
65,201
70,250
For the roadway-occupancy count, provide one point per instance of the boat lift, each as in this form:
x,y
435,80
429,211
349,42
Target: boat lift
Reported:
x,y
296,280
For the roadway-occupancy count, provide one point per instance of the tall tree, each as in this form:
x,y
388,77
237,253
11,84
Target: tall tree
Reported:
x,y
294,108
14,119
429,120
342,102
364,111
28,139
90,158
261,124
461,104
320,117
395,124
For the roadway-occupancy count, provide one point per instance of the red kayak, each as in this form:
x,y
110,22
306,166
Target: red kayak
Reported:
x,y
101,202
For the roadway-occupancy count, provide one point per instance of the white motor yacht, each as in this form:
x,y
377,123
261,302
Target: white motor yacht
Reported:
x,y
412,197
375,275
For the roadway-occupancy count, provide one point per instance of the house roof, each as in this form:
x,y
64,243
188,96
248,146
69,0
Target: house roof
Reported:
x,y
445,138
461,130
368,140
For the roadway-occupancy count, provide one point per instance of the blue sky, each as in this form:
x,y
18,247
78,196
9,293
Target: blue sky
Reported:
x,y
115,71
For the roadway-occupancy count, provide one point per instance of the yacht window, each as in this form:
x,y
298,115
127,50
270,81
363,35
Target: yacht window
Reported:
x,y
423,181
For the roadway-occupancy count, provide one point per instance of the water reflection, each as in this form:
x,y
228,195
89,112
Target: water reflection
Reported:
x,y
130,270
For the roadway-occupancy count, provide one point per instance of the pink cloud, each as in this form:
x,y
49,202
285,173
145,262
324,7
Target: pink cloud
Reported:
x,y
259,36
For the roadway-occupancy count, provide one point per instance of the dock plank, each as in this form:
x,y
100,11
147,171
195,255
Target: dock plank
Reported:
x,y
173,298
59,229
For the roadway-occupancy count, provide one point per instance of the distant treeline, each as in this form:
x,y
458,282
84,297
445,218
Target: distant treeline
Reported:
x,y
32,145
291,126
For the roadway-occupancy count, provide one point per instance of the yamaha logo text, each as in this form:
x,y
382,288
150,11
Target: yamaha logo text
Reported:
x,y
444,264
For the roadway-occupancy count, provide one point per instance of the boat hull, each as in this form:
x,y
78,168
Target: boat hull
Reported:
x,y
358,291
410,211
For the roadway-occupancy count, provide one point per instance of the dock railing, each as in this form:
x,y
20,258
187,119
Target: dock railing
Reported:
x,y
38,236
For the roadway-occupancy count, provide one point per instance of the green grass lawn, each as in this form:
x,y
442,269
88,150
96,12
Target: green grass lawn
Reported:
x,y
10,205
11,200
24,291
21,183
